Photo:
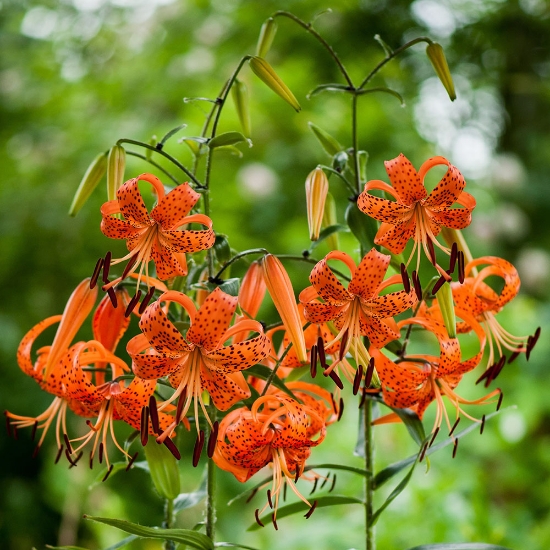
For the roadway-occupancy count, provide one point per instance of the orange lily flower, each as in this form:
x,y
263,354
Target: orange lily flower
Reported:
x,y
419,379
415,214
482,303
155,236
199,361
359,310
276,431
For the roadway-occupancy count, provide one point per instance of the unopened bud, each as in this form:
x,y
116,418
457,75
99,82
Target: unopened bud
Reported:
x,y
239,92
267,34
116,164
330,218
164,469
89,182
447,307
316,194
328,143
438,60
252,290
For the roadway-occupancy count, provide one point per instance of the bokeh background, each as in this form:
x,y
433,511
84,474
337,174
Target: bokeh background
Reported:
x,y
76,75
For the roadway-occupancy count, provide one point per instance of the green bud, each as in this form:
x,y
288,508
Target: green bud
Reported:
x,y
362,226
330,218
438,60
328,143
116,163
239,92
222,248
340,161
264,71
447,307
227,138
363,158
164,469
89,182
267,34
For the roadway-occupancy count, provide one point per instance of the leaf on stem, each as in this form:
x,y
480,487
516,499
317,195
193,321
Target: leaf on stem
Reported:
x,y
89,182
460,546
328,143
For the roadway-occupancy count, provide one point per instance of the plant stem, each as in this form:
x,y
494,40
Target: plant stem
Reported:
x,y
211,486
370,542
167,524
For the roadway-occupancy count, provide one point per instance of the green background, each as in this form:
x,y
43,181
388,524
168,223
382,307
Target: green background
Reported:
x,y
77,75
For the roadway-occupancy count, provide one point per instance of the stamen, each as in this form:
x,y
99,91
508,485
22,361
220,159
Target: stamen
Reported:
x,y
436,431
416,284
357,379
8,424
58,455
325,480
34,428
422,454
405,278
461,274
146,300
314,486
311,510
482,425
95,274
258,521
269,499
131,461
363,398
369,373
333,403
515,355
440,282
495,370
144,425
68,455
333,483
336,379
199,443
106,266
75,461
91,461
313,361
500,400
68,443
452,261
171,446
486,374
15,433
343,344
454,426
340,410
35,452
101,453
132,304
212,440
129,266
284,492
455,447
321,352
179,409
296,476
154,415
431,250
274,521
112,296
252,494
108,473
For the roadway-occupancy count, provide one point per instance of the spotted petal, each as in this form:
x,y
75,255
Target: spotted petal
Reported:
x,y
131,204
224,389
405,180
174,207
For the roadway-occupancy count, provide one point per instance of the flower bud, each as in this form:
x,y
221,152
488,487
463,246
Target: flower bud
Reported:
x,y
89,182
328,143
264,71
239,92
316,194
164,469
447,307
329,218
116,164
252,290
437,58
281,291
267,34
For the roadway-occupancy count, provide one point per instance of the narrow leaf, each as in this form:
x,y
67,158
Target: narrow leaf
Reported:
x,y
263,372
123,542
232,545
412,423
384,90
171,133
330,466
328,143
460,546
327,232
228,138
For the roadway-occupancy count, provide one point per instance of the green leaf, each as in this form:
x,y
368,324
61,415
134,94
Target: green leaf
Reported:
x,y
164,469
412,423
263,372
123,542
232,545
228,138
183,536
327,232
65,547
330,466
296,507
171,133
229,286
188,500
297,372
387,50
460,546
384,90
363,227
329,88
328,143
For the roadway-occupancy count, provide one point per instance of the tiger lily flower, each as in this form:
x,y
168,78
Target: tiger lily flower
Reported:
x,y
276,431
359,310
198,361
155,236
415,214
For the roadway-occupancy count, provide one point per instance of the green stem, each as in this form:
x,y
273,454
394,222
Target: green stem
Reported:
x,y
155,164
167,523
370,542
340,175
238,257
211,485
355,144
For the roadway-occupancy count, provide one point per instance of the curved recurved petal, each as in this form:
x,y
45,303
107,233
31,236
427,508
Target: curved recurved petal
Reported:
x,y
405,376
405,180
212,320
131,400
327,285
317,312
77,383
381,209
109,323
239,356
369,274
396,237
388,305
152,364
378,331
224,389
455,218
447,191
189,240
131,204
115,228
172,208
168,264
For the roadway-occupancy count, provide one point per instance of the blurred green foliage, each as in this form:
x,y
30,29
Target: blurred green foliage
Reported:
x,y
76,75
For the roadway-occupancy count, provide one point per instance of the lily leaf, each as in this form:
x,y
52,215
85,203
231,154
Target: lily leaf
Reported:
x,y
232,545
359,471
169,134
296,507
123,542
188,500
229,286
329,88
65,547
384,90
183,536
327,232
412,423
460,546
228,138
263,372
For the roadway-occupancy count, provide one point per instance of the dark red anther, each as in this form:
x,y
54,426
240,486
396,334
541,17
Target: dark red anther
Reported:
x,y
108,473
112,296
343,345
212,440
101,449
311,510
91,461
95,274
254,491
363,397
15,433
416,284
179,409
313,361
106,266
68,456
146,300
454,426
455,447
321,352
405,278
340,409
461,273
132,460
35,451
314,486
436,431
431,250
129,266
269,501
482,425
325,480
199,444
452,260
333,483
144,425
75,461
154,415
423,453
256,515
495,370
132,303
357,379
34,428
274,521
333,403
440,282
500,400
171,446
336,379
296,475
370,372
486,374
58,455
284,491
515,355
67,442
